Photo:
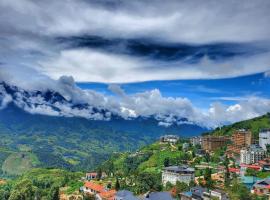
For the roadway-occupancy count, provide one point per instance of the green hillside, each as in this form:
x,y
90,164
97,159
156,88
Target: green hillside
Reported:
x,y
140,171
255,125
18,163
75,143
41,184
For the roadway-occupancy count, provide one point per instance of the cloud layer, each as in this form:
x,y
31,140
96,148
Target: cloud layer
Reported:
x,y
129,41
64,98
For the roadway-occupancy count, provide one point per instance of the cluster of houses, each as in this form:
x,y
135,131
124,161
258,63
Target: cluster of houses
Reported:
x,y
99,192
240,145
248,153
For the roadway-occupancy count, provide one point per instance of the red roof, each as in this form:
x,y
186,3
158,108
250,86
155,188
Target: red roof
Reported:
x,y
108,194
256,167
96,187
235,170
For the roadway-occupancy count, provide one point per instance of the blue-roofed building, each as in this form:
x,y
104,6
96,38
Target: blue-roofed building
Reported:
x,y
249,181
125,195
158,196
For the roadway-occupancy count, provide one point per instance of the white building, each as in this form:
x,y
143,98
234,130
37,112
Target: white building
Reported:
x,y
197,140
173,174
264,138
169,138
185,146
252,154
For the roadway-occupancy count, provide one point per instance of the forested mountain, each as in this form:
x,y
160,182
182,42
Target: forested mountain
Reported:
x,y
73,142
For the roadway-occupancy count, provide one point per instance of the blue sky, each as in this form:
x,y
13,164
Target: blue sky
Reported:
x,y
200,92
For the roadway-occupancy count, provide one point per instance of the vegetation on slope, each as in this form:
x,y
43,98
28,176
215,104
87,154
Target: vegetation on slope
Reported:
x,y
141,171
255,125
40,184
76,143
18,163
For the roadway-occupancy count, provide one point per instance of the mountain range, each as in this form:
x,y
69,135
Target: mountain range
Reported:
x,y
30,130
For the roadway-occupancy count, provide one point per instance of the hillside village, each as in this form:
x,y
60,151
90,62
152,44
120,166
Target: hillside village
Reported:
x,y
212,167
232,166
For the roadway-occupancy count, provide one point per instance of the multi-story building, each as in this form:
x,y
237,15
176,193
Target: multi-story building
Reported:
x,y
264,138
173,174
211,143
169,138
252,154
240,139
197,140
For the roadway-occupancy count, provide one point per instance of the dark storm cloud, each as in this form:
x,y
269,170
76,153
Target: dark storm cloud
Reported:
x,y
120,41
161,50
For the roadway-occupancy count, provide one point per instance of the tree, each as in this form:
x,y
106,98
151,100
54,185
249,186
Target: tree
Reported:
x,y
181,187
239,191
147,181
268,149
207,157
169,186
227,172
99,174
24,189
117,185
251,172
208,178
54,192
166,162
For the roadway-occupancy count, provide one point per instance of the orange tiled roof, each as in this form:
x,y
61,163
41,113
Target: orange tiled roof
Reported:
x,y
107,194
256,167
235,170
94,186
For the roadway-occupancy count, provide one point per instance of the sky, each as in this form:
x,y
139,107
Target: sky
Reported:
x,y
215,55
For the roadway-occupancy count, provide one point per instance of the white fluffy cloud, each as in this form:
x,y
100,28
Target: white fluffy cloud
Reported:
x,y
98,66
167,110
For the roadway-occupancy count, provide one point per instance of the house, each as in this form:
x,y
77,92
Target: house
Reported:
x,y
195,193
124,195
158,196
173,174
185,146
265,164
252,154
106,195
197,140
261,187
93,175
92,188
169,139
219,194
264,138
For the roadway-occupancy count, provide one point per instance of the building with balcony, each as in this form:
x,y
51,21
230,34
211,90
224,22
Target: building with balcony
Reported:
x,y
173,174
252,154
240,139
212,143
